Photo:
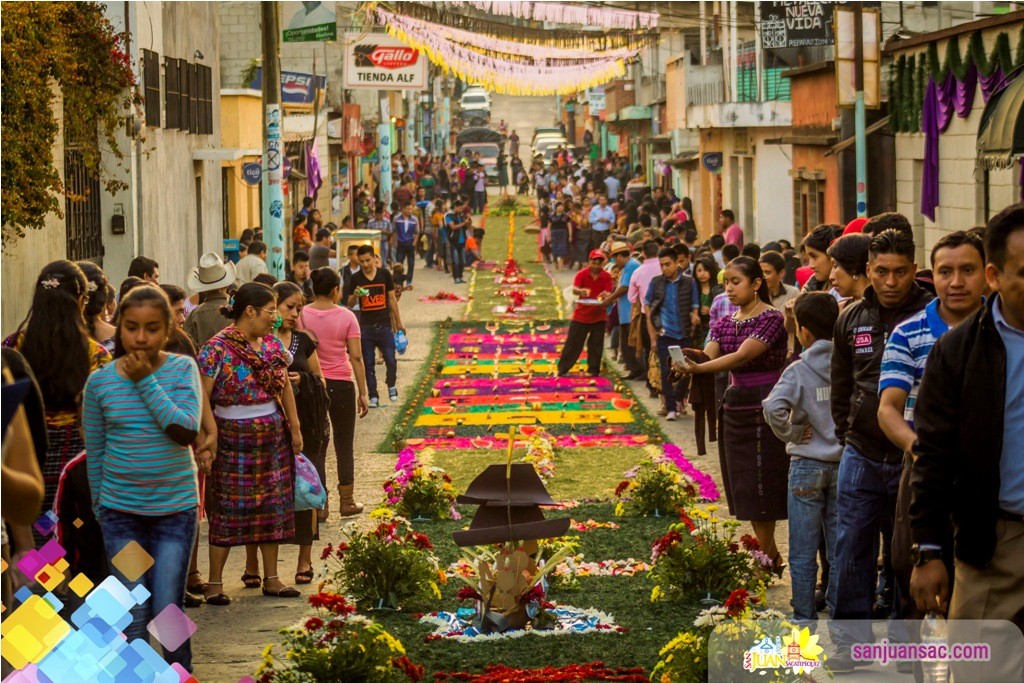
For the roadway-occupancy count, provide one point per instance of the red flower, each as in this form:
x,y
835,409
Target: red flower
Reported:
x,y
332,602
623,485
340,550
413,672
663,544
734,547
314,623
467,593
421,541
685,519
749,542
328,549
736,602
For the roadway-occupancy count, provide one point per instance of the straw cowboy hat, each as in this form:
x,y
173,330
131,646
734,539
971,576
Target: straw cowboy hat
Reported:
x,y
620,247
212,273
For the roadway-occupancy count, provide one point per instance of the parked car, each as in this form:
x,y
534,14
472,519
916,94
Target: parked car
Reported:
x,y
544,142
475,98
537,132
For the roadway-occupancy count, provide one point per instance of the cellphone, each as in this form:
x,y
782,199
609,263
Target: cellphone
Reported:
x,y
676,354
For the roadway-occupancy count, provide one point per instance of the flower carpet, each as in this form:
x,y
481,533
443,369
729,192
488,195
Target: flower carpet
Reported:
x,y
491,377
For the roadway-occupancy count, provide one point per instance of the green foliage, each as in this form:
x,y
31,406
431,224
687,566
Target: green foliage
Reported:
x,y
248,73
338,647
419,490
508,204
390,566
70,47
701,556
654,487
909,75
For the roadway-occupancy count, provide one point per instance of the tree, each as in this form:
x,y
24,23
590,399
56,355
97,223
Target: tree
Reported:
x,y
71,46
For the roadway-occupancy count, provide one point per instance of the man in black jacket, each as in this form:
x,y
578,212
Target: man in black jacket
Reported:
x,y
969,457
869,472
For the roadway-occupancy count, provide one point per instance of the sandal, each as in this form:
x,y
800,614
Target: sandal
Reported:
x,y
218,599
777,566
304,577
286,592
251,580
197,587
192,600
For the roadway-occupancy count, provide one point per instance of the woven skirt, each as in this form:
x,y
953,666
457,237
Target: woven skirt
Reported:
x,y
755,466
251,490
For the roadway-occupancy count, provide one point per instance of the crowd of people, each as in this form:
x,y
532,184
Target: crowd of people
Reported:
x,y
873,404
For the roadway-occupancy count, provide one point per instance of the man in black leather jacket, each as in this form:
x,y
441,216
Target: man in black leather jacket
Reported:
x,y
869,472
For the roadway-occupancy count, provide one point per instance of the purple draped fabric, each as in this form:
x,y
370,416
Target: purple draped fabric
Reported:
x,y
940,101
931,115
990,84
314,179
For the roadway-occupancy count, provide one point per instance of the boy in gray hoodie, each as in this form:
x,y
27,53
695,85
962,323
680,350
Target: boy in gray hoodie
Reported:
x,y
799,412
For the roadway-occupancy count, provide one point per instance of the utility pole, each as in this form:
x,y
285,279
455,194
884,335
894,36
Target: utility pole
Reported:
x,y
858,111
273,197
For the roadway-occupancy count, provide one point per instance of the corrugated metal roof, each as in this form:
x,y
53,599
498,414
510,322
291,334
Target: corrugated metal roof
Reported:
x,y
299,127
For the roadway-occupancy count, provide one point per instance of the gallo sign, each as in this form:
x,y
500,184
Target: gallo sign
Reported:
x,y
379,62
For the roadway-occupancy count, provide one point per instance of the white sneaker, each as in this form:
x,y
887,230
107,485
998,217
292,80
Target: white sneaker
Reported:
x,y
671,417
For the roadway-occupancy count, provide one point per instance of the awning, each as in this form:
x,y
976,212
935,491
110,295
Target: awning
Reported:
x,y
1001,132
299,127
850,141
633,113
684,158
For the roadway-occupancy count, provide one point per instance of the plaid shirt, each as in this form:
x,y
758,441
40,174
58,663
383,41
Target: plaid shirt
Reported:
x,y
384,225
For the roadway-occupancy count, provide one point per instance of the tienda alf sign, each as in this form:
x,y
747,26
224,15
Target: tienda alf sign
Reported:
x,y
380,62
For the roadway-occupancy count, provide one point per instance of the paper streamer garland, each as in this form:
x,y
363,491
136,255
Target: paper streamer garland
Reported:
x,y
576,13
499,75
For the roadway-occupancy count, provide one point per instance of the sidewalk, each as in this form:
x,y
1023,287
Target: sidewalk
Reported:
x,y
230,639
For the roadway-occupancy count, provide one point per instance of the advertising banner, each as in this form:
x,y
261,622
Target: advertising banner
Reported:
x,y
379,62
296,87
308,22
785,23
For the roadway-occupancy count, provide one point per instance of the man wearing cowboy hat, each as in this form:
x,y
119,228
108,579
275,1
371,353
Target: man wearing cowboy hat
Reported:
x,y
622,256
588,319
211,280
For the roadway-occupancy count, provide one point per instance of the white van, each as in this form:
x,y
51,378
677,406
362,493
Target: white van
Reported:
x,y
475,98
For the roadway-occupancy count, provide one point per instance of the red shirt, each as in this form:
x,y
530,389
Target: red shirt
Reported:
x,y
594,285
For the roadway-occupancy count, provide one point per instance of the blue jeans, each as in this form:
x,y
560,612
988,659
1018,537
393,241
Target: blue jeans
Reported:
x,y
378,337
407,252
866,497
456,254
812,506
168,539
387,252
668,389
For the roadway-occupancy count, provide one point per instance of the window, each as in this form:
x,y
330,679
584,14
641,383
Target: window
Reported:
x,y
184,93
151,87
193,97
205,100
171,95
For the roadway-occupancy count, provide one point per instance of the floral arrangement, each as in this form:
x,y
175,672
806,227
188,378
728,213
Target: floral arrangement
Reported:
x,y
540,452
508,205
419,491
511,274
738,625
700,555
653,487
390,566
336,645
443,297
516,299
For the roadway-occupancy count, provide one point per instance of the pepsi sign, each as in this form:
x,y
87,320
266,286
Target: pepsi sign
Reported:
x,y
296,87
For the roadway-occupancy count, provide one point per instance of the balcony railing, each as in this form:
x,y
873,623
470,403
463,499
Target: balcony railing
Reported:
x,y
707,85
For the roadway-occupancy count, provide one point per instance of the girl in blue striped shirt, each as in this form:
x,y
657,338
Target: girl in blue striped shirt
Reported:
x,y
140,414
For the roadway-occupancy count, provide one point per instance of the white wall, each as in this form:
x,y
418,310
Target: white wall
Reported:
x,y
161,206
773,188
